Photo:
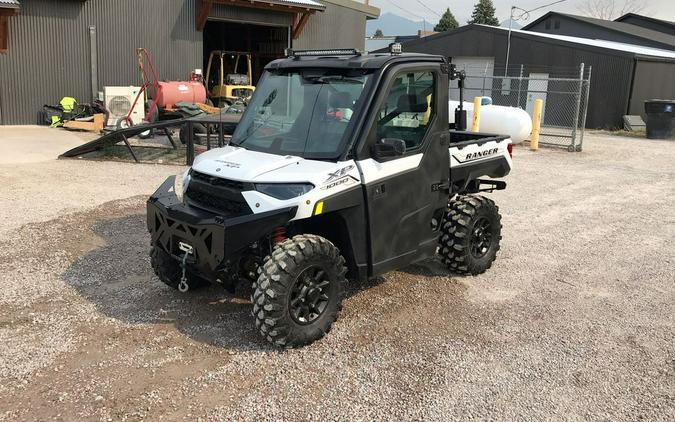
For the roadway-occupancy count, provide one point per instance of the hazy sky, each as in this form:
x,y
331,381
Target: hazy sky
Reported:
x,y
415,10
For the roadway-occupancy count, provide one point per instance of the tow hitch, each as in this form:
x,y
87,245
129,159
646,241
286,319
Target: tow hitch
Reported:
x,y
183,286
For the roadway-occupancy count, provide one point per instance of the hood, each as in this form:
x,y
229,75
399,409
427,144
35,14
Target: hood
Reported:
x,y
240,164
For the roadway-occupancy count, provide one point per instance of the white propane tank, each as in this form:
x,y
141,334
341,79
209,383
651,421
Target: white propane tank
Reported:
x,y
500,120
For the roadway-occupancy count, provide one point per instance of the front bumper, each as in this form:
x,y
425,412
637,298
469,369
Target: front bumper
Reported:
x,y
215,239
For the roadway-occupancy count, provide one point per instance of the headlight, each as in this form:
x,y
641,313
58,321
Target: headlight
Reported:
x,y
180,184
284,190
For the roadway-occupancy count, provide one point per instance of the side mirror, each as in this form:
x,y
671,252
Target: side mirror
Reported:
x,y
387,148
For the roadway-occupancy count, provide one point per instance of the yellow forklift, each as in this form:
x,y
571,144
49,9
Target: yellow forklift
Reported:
x,y
229,77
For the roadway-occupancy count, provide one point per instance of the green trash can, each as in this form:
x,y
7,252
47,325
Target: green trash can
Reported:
x,y
660,119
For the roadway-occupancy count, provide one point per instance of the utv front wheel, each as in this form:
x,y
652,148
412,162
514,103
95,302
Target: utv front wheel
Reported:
x,y
470,235
299,291
169,271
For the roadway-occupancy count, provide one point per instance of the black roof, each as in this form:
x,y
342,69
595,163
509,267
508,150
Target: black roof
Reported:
x,y
643,17
660,25
619,27
552,39
352,61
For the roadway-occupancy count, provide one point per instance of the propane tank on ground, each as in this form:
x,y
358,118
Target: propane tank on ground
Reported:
x,y
500,120
171,92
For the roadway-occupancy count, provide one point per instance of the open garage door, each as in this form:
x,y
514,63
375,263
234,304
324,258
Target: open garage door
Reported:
x,y
263,43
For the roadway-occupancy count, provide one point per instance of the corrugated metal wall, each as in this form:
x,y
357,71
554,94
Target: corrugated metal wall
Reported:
x,y
49,51
336,27
653,79
610,79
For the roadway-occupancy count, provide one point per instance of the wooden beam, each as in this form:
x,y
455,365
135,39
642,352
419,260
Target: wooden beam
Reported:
x,y
8,12
299,24
4,34
202,13
267,6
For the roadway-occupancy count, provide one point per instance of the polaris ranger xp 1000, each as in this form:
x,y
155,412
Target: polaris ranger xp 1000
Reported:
x,y
343,166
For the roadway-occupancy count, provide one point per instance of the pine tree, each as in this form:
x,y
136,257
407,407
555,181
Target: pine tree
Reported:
x,y
447,22
484,13
378,33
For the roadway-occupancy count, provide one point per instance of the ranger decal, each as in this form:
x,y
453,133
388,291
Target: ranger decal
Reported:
x,y
477,155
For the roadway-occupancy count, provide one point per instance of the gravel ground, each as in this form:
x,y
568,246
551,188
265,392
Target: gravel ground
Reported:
x,y
574,321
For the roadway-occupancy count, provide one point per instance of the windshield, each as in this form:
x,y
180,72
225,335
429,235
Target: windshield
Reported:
x,y
301,112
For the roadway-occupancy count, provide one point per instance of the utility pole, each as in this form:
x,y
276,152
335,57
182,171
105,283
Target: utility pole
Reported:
x,y
524,15
508,42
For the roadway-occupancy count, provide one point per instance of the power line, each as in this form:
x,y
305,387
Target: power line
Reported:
x,y
405,10
526,13
429,9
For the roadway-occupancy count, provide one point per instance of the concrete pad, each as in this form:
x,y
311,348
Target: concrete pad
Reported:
x,y
34,144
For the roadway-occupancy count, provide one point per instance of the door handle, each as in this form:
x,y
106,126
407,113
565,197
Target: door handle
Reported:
x,y
380,190
441,186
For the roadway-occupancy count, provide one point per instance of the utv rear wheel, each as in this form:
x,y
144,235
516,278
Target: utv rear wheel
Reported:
x,y
470,235
299,291
169,272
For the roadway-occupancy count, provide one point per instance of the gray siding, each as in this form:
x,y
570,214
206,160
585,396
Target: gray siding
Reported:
x,y
610,80
336,27
49,48
653,79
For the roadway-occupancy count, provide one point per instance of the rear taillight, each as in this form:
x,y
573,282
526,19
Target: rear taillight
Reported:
x,y
510,149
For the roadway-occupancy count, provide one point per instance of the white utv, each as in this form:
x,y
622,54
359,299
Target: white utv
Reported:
x,y
342,167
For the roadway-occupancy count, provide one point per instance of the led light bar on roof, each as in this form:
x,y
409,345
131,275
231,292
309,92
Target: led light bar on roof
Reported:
x,y
327,52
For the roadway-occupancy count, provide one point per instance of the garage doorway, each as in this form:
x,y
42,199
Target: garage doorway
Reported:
x,y
264,43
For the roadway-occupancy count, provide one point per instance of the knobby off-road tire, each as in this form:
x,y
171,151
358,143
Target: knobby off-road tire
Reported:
x,y
470,234
299,291
169,272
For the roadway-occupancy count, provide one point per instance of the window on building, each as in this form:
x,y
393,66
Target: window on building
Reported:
x,y
548,25
556,24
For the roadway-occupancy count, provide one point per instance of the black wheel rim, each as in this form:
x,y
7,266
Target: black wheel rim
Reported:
x,y
481,237
309,296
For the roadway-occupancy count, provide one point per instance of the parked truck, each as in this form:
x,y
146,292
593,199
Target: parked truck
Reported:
x,y
342,167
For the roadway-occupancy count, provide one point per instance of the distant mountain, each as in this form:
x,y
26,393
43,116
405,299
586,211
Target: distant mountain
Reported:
x,y
514,24
392,24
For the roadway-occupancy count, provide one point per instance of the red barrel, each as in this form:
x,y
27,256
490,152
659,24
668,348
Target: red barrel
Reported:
x,y
172,92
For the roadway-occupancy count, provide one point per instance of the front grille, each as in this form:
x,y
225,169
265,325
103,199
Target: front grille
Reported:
x,y
217,181
218,195
225,206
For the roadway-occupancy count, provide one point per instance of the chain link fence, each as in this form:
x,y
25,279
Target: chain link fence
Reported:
x,y
565,98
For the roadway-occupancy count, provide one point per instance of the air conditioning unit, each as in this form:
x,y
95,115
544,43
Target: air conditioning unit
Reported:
x,y
118,101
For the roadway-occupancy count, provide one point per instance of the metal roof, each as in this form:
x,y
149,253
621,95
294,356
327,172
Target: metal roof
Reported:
x,y
612,45
309,4
620,27
10,4
643,17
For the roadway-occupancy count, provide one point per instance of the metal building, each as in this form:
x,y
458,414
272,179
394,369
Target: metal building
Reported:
x,y
623,77
648,22
631,30
75,48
